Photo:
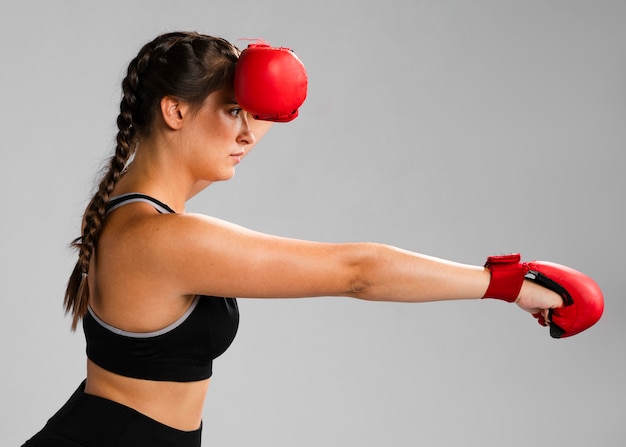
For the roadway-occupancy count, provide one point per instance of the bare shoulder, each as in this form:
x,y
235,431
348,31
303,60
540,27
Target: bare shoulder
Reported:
x,y
169,251
148,239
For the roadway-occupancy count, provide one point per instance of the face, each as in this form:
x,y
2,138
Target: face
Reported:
x,y
216,137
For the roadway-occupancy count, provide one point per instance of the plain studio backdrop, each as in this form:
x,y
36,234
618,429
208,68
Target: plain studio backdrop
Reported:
x,y
458,129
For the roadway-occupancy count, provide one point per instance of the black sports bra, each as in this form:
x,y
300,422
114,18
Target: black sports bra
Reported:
x,y
181,352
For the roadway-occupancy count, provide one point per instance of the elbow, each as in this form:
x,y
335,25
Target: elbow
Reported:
x,y
362,266
358,288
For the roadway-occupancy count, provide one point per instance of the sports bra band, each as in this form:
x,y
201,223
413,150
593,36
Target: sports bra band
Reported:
x,y
156,333
123,199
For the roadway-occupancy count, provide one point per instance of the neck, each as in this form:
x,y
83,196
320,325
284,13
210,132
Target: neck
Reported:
x,y
156,173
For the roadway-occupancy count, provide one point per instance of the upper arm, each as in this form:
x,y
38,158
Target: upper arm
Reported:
x,y
202,255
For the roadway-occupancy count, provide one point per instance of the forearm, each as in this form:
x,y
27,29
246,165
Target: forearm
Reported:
x,y
385,273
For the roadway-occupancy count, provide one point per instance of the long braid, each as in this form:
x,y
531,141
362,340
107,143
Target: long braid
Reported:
x,y
77,292
186,65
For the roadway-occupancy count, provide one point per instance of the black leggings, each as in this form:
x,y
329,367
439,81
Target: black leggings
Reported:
x,y
91,421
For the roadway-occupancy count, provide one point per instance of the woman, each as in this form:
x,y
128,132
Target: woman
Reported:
x,y
149,276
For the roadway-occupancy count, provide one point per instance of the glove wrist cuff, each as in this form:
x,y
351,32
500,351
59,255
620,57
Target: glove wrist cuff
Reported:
x,y
507,277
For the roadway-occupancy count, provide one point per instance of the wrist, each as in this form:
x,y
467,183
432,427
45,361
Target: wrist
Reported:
x,y
507,277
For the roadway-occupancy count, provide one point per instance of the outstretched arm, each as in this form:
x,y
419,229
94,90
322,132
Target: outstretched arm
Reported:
x,y
202,255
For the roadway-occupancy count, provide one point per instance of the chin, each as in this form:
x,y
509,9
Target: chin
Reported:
x,y
226,176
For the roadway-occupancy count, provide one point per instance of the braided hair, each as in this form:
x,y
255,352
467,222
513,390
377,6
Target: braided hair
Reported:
x,y
185,65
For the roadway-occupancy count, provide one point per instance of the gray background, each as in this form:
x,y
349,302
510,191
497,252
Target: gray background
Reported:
x,y
458,129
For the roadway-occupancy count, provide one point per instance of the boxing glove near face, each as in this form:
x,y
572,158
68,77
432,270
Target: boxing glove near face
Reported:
x,y
270,83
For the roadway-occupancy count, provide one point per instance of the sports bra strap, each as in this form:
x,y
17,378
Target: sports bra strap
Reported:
x,y
132,197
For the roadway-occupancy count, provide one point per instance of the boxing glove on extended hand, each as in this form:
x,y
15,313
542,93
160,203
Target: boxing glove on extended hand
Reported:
x,y
583,302
270,83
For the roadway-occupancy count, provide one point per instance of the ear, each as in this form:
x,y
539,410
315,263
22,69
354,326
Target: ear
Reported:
x,y
173,112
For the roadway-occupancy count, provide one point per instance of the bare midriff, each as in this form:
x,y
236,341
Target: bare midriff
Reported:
x,y
176,404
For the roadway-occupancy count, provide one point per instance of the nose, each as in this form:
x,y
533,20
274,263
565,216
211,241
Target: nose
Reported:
x,y
246,136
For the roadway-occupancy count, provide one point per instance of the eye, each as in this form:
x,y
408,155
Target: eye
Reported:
x,y
235,111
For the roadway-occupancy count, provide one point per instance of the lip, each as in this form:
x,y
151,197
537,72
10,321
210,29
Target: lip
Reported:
x,y
237,156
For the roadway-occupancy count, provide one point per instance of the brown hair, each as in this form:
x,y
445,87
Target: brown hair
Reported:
x,y
185,65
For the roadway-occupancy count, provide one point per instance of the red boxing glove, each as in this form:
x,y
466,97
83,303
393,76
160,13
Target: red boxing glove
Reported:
x,y
270,83
583,302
